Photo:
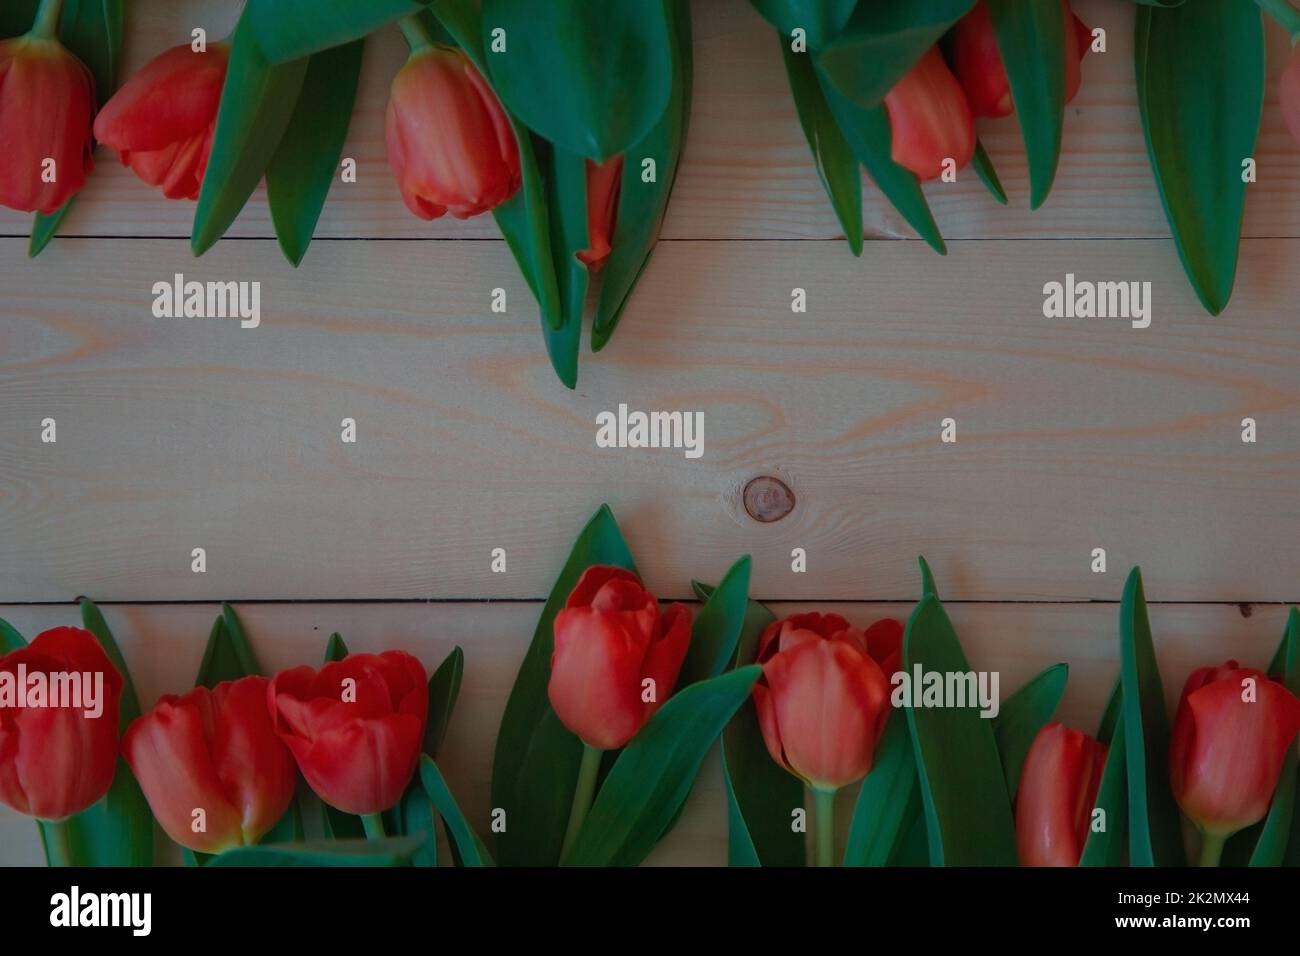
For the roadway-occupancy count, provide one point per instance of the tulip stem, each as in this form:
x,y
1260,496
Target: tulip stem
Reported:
x,y
1211,849
58,843
583,794
374,826
417,37
1285,14
824,826
46,24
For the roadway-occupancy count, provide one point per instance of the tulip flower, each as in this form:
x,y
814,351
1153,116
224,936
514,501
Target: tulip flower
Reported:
x,y
58,738
449,142
930,119
47,99
603,182
162,119
822,702
214,751
615,660
1056,796
355,728
1230,736
1289,94
979,68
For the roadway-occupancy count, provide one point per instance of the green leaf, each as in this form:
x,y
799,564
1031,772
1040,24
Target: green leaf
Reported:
x,y
655,772
471,848
1155,835
836,164
444,689
881,42
10,639
565,174
307,160
389,851
1200,81
94,622
820,20
1031,40
44,226
983,167
1022,716
257,103
889,802
593,78
535,767
291,29
963,788
868,134
928,587
335,649
642,205
1106,847
717,627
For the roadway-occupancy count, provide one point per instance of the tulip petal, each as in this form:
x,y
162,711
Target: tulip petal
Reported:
x,y
663,659
595,686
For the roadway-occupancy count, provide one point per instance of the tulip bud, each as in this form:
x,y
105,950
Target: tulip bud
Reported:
x,y
213,751
1058,790
603,186
57,756
823,697
1289,94
47,98
1230,736
161,120
616,658
979,68
450,145
930,119
355,728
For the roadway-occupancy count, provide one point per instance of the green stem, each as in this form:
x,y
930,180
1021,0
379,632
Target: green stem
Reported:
x,y
583,795
1285,14
1211,849
824,826
417,37
374,825
58,843
46,25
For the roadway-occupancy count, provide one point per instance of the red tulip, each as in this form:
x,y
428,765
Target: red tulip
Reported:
x,y
978,64
449,142
1057,793
355,728
930,119
610,641
161,120
57,756
603,182
216,751
47,98
823,697
1232,731
1289,94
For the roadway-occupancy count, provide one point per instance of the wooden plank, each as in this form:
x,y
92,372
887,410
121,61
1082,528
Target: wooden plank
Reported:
x,y
747,173
164,643
1072,433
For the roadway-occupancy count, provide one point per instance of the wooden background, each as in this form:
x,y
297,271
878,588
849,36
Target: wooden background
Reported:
x,y
1072,434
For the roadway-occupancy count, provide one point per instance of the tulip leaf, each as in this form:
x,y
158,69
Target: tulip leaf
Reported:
x,y
291,29
307,160
963,788
717,628
928,586
565,175
385,852
821,20
1105,847
641,204
592,78
1155,835
889,802
983,167
470,848
1200,83
656,770
1022,716
94,622
881,42
837,166
257,104
1031,41
535,767
868,134
10,639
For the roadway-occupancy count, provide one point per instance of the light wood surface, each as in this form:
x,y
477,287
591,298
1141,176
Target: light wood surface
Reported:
x,y
163,645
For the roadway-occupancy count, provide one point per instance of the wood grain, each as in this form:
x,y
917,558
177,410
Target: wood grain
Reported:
x,y
163,645
746,173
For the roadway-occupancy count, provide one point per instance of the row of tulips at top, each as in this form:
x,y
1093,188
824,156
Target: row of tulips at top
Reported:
x,y
567,120
613,710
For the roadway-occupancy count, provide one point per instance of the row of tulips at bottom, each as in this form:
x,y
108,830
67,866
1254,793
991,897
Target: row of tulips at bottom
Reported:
x,y
615,706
